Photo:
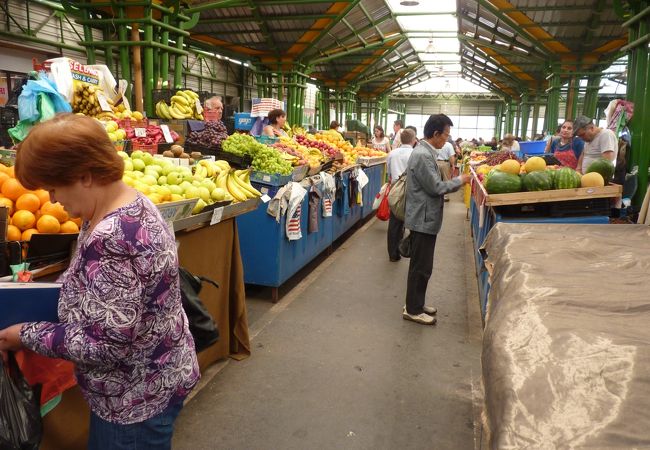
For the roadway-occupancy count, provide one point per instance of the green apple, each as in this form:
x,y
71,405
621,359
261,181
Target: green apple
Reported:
x,y
149,179
162,180
123,155
177,198
164,192
147,158
175,189
204,193
128,164
185,184
137,154
169,169
174,178
155,198
192,192
144,188
137,174
208,184
200,204
151,172
218,194
138,164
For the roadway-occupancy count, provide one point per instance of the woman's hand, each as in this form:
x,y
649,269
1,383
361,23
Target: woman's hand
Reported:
x,y
10,338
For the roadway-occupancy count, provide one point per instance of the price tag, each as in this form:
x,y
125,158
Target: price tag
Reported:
x,y
167,135
216,215
140,132
199,108
265,198
103,103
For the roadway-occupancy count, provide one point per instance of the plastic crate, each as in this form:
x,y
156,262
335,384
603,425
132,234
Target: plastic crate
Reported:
x,y
244,121
240,162
149,148
270,179
266,189
532,147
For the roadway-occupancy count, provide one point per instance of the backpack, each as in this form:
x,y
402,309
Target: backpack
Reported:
x,y
397,197
202,326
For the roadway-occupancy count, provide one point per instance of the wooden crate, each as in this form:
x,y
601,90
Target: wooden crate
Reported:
x,y
556,195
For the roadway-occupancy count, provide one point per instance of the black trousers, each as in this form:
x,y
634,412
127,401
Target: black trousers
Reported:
x,y
420,267
395,235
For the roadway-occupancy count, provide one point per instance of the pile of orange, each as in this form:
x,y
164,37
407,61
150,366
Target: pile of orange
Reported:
x,y
31,212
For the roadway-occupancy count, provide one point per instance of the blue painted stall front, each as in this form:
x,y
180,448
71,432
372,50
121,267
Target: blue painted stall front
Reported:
x,y
375,182
270,259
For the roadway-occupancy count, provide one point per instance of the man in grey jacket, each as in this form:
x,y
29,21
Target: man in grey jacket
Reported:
x,y
425,193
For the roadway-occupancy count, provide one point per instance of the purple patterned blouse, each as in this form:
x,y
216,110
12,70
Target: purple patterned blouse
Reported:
x,y
121,318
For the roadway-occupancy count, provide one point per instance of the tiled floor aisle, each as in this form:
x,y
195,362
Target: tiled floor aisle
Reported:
x,y
338,368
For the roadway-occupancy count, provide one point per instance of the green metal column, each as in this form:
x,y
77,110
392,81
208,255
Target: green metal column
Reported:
x,y
525,113
553,104
571,109
125,63
510,117
178,64
164,54
639,93
533,130
88,37
148,65
591,97
498,119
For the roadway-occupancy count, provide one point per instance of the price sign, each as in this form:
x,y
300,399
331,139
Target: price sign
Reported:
x,y
199,108
265,198
140,132
167,135
103,103
216,215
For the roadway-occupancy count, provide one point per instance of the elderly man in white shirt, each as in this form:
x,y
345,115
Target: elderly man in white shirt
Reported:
x,y
397,162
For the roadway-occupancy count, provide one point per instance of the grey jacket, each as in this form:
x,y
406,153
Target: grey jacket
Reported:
x,y
425,190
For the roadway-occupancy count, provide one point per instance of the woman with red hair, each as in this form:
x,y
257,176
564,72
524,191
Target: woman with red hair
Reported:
x,y
120,315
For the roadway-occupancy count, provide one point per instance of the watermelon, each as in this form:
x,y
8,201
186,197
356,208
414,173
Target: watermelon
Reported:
x,y
566,178
538,181
602,166
551,173
500,182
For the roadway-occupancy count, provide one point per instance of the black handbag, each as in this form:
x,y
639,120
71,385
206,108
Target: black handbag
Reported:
x,y
404,246
202,326
21,426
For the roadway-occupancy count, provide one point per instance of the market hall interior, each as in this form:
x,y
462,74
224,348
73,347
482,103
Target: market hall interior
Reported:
x,y
334,365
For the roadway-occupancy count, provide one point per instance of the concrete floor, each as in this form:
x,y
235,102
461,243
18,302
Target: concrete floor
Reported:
x,y
334,365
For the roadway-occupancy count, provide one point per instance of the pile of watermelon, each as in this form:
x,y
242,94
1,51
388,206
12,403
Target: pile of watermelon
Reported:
x,y
505,179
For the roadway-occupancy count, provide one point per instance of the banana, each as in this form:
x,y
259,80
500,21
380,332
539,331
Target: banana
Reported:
x,y
199,116
164,110
208,166
188,97
175,113
222,164
234,189
181,100
249,190
221,180
192,94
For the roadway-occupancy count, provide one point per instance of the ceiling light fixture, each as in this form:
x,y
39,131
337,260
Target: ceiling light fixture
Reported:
x,y
409,3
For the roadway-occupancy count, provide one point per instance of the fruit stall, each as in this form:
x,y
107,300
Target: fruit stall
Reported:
x,y
505,189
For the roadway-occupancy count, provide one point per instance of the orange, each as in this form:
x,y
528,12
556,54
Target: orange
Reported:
x,y
3,177
55,209
23,219
4,201
12,189
48,224
27,234
77,221
42,195
13,233
69,227
29,202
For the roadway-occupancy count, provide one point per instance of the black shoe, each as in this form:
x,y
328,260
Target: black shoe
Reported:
x,y
395,259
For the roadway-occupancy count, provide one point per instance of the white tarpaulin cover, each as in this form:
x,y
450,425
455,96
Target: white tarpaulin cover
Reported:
x,y
566,347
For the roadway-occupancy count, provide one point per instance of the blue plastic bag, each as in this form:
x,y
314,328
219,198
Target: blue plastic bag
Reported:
x,y
28,101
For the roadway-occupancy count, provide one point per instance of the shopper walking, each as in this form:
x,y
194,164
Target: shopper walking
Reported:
x,y
120,315
397,161
599,143
425,192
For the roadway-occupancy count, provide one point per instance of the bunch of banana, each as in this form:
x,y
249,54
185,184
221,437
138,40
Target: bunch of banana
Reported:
x,y
213,168
237,183
182,106
84,100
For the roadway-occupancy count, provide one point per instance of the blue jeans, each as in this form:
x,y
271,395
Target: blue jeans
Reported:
x,y
152,434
